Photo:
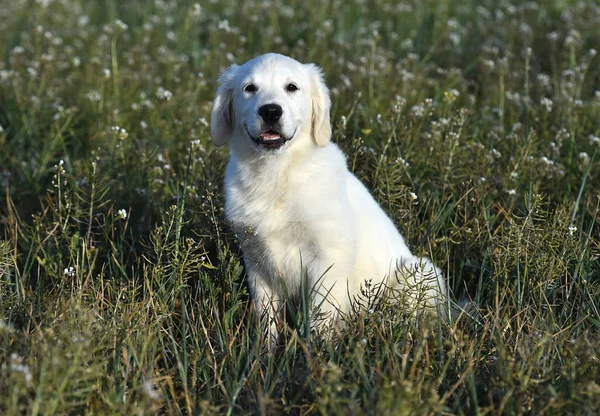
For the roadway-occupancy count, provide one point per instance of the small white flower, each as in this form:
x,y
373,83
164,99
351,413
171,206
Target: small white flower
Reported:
x,y
454,136
5,75
197,144
69,272
18,366
489,64
407,44
164,94
544,80
417,110
344,121
121,25
122,214
400,160
196,10
93,96
121,132
6,327
106,72
547,103
572,230
573,37
83,20
511,192
413,196
32,72
224,25
455,39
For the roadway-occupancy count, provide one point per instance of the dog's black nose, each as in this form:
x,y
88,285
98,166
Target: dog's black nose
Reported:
x,y
270,113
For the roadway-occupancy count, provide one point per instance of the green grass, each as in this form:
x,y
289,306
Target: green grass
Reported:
x,y
122,289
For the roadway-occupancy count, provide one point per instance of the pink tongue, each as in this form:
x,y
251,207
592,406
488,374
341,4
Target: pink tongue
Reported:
x,y
270,136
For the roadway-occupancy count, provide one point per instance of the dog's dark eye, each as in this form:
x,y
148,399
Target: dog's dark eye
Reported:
x,y
291,88
250,88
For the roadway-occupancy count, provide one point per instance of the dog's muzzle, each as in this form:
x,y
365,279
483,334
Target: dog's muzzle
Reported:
x,y
269,139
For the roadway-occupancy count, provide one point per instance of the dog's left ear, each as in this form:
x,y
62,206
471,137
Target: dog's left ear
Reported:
x,y
321,106
221,116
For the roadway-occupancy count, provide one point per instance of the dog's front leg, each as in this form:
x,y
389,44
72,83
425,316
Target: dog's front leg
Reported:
x,y
331,271
267,305
330,288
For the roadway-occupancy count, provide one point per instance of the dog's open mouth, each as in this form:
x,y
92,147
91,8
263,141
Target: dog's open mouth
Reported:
x,y
269,139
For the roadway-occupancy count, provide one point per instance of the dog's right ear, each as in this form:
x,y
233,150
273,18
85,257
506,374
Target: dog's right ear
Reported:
x,y
221,117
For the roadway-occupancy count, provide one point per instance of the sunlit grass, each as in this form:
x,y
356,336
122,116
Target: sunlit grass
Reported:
x,y
122,288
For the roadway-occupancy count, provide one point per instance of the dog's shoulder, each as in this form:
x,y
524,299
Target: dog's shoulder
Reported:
x,y
327,159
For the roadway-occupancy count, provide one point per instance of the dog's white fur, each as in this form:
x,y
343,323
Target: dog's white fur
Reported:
x,y
298,209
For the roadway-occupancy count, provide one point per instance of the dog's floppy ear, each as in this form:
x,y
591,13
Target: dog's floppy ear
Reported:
x,y
321,105
221,117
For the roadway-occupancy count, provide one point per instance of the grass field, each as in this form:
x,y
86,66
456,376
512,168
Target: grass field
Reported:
x,y
475,124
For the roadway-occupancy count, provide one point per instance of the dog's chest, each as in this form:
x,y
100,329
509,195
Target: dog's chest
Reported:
x,y
270,227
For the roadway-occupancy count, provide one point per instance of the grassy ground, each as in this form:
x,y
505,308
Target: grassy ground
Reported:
x,y
121,285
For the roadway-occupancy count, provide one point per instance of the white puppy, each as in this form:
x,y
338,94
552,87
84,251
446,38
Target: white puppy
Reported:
x,y
294,205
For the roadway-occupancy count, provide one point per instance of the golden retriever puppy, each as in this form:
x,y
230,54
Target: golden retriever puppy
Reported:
x,y
296,208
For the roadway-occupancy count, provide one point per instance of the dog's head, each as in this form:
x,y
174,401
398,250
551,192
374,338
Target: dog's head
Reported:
x,y
270,102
